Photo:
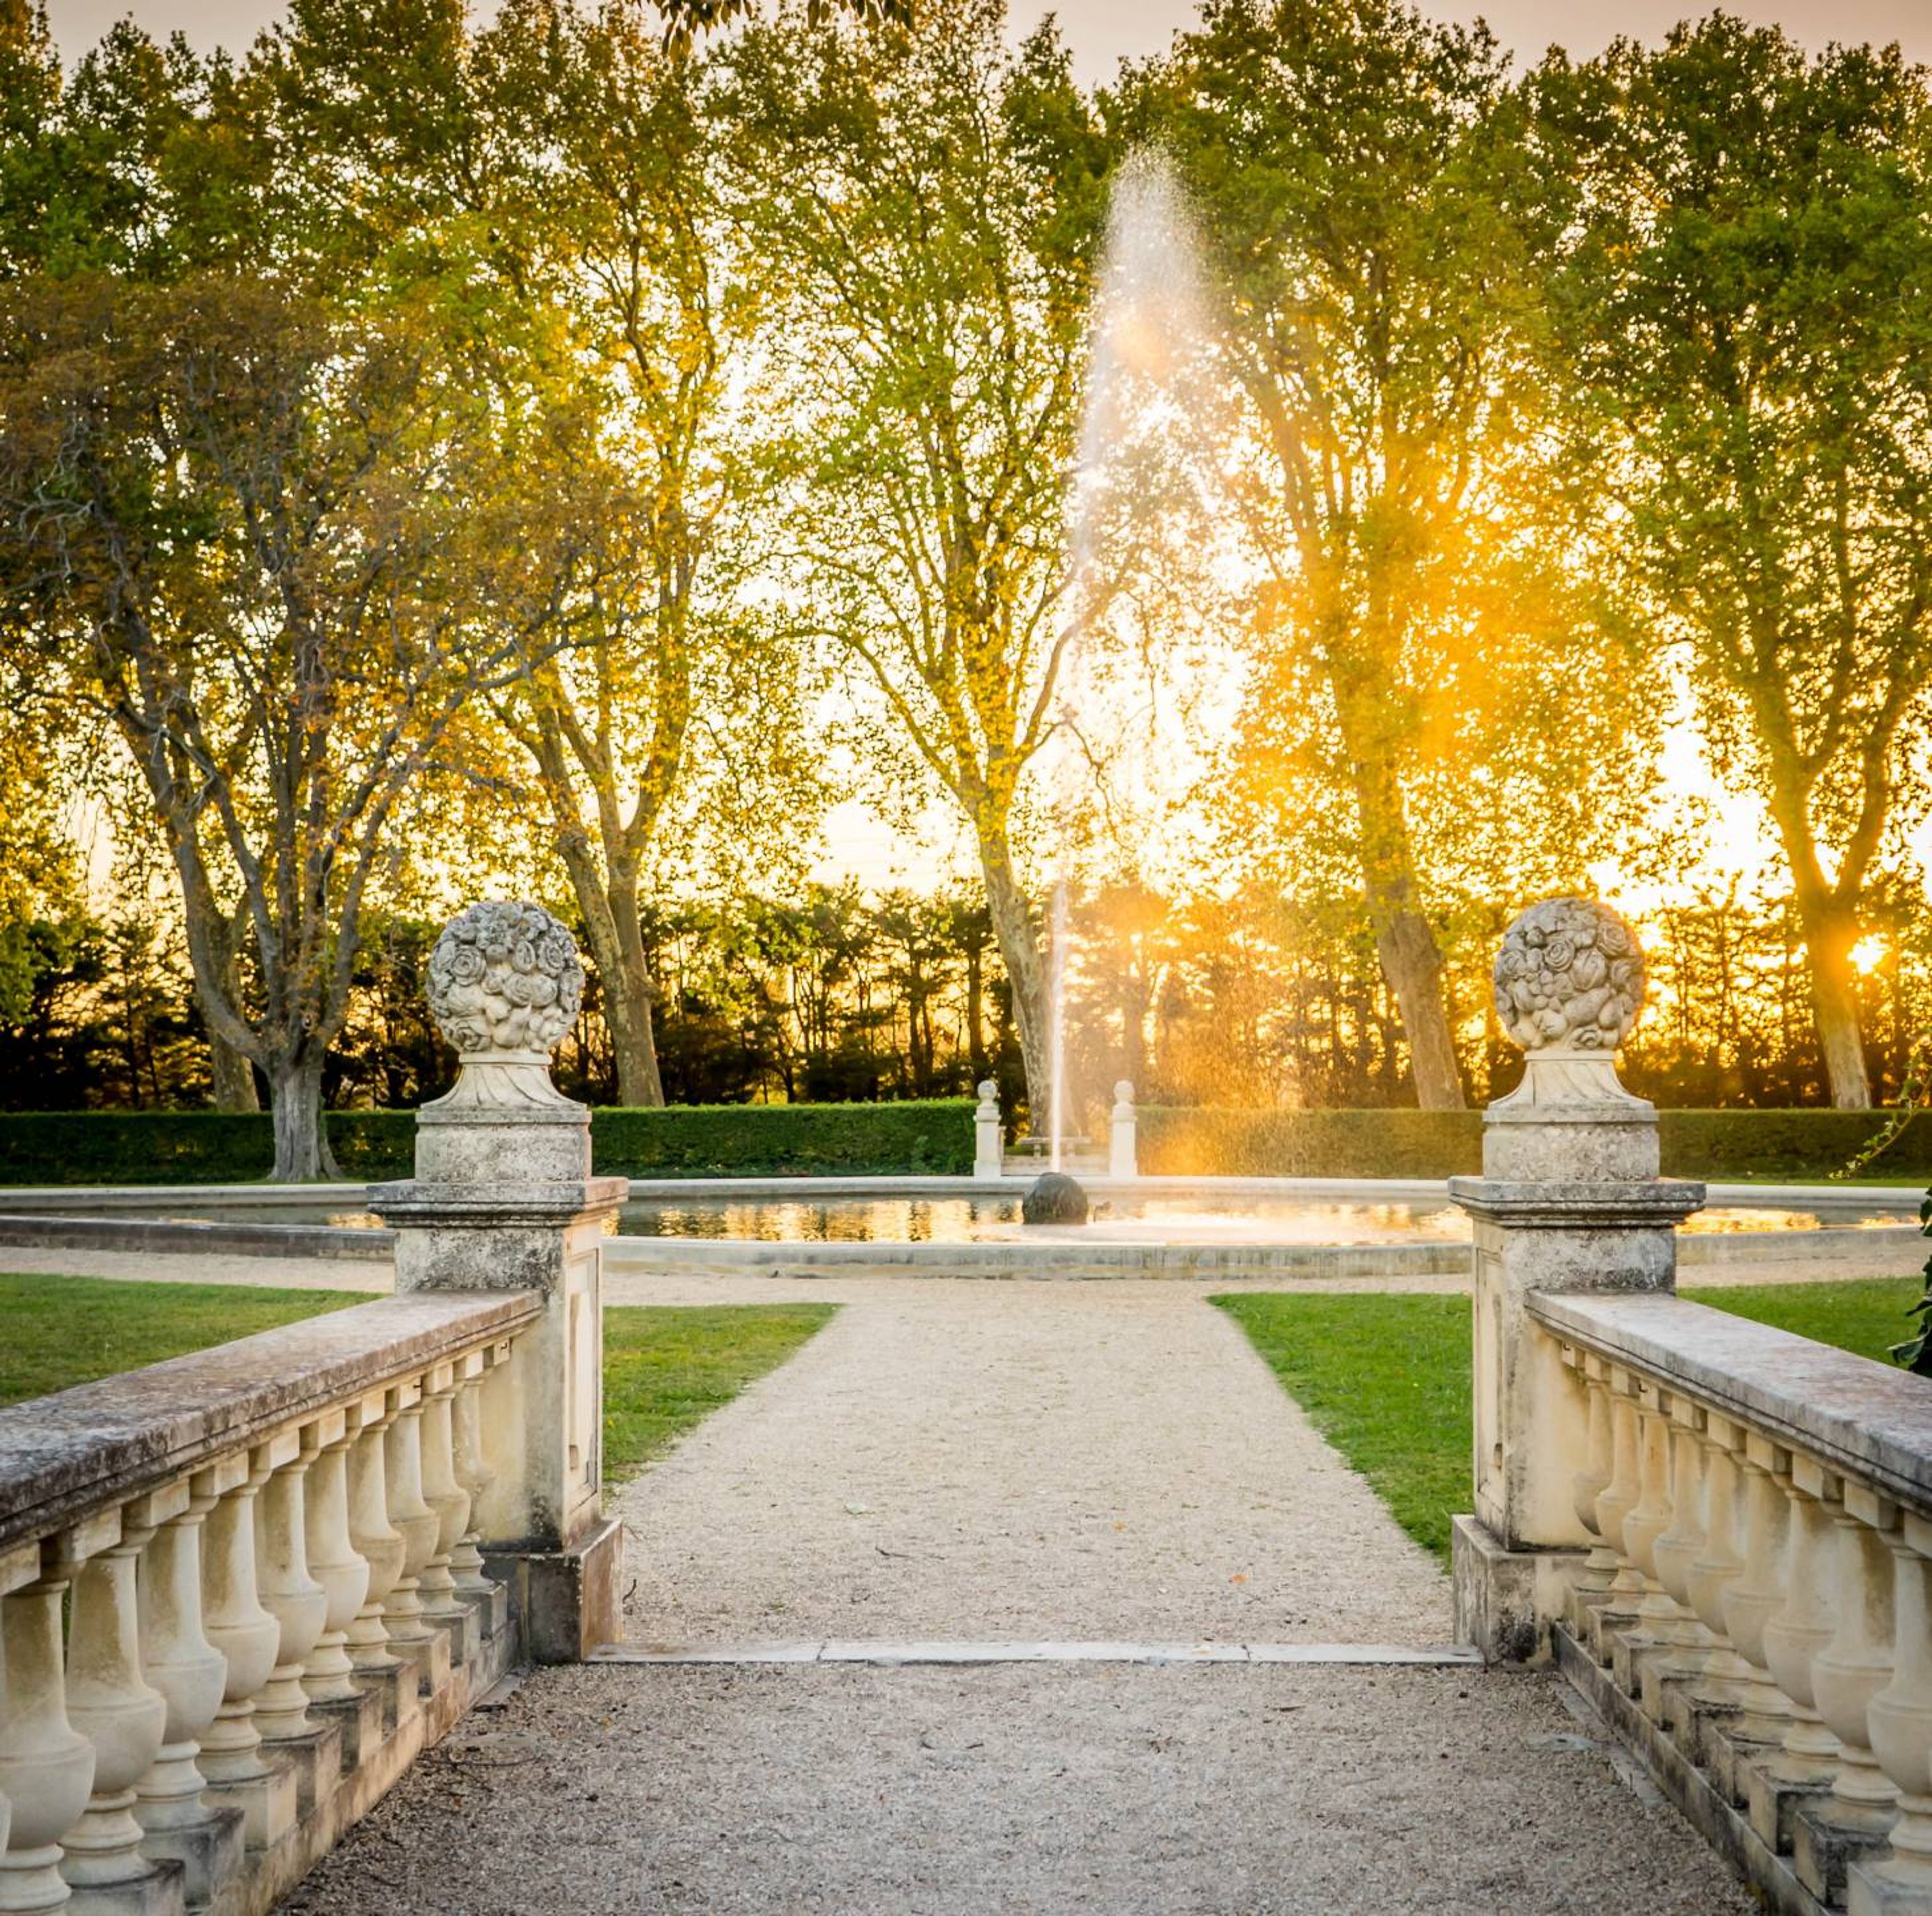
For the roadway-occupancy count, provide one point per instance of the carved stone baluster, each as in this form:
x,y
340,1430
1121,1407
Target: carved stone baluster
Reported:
x,y
1618,1499
46,1766
473,1473
1899,1719
1830,1832
1758,1594
1651,1650
441,1605
1857,1663
1801,1626
247,1636
298,1604
335,1564
1720,1562
419,1525
377,1541
1680,1546
191,1674
114,1706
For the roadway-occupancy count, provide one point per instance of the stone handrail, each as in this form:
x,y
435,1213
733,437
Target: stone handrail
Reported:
x,y
239,1591
64,1457
1870,1421
1757,1595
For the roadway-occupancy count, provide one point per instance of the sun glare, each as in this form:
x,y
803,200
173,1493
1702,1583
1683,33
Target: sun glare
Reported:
x,y
1867,954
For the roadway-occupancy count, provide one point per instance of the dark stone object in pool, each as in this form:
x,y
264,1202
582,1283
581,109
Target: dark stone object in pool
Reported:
x,y
1055,1198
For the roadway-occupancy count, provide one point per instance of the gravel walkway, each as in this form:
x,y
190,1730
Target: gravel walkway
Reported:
x,y
958,1460
1213,1792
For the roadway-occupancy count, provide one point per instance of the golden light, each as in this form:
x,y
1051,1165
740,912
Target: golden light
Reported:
x,y
1867,954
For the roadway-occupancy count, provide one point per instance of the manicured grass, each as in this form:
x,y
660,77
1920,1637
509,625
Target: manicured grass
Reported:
x,y
1386,1378
1867,1316
668,1366
665,1367
56,1331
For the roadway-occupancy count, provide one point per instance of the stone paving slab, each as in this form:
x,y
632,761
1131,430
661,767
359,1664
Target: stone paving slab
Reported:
x,y
886,1651
1224,1790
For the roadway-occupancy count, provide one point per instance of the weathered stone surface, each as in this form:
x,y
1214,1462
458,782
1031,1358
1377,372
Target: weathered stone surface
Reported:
x,y
1055,1198
1570,974
569,1602
1871,1420
80,1449
1504,1598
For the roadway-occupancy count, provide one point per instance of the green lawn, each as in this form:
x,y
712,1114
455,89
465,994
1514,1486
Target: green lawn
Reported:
x,y
668,1366
55,1332
1386,1378
665,1366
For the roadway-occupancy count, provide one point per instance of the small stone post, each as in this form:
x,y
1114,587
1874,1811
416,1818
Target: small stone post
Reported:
x,y
1121,1156
988,1137
503,1200
1569,1200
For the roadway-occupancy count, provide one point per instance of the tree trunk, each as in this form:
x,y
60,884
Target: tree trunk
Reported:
x,y
612,925
1405,943
976,1041
231,1077
295,1101
1012,926
628,990
1829,936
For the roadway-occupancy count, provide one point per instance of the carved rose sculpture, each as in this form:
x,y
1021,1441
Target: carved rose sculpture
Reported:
x,y
1570,977
505,978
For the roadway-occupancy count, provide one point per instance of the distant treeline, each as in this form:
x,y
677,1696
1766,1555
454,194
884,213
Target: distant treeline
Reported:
x,y
1257,1002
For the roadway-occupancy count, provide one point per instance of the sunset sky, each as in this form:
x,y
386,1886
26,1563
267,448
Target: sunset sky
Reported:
x,y
1101,32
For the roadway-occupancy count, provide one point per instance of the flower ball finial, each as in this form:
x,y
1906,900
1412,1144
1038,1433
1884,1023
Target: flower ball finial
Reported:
x,y
505,983
1570,978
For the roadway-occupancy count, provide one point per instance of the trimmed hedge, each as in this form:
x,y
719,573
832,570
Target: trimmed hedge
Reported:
x,y
700,1140
929,1137
1216,1141
187,1147
1803,1146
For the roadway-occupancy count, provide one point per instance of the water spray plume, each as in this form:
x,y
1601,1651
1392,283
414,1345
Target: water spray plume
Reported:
x,y
1146,332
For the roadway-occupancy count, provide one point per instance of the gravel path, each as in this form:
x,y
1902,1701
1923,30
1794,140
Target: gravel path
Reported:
x,y
954,1460
1215,1792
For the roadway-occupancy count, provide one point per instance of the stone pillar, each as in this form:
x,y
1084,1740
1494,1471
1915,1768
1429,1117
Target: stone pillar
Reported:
x,y
989,1136
1569,1200
1123,1159
503,1200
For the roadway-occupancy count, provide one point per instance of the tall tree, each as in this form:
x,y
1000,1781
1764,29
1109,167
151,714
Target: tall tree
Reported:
x,y
927,200
558,167
1745,296
246,527
613,200
1366,213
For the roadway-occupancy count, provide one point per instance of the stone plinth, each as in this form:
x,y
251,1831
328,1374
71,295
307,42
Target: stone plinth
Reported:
x,y
1569,1200
503,1200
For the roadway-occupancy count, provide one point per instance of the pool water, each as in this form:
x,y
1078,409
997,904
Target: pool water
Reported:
x,y
1152,1219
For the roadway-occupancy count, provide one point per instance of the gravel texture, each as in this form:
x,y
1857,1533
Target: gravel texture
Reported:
x,y
950,1793
1032,1461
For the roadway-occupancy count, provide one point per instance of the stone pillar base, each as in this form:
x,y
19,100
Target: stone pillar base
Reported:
x,y
569,1601
1505,1600
209,1852
157,1891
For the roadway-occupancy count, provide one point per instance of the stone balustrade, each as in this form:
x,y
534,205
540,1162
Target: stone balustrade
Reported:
x,y
1722,1533
241,1590
1755,1607
228,1617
